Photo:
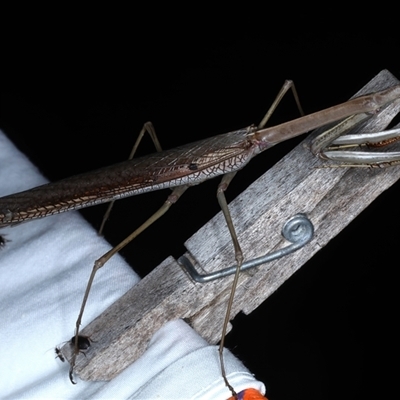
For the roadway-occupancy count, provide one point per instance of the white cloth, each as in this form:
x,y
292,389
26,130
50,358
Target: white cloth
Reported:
x,y
44,267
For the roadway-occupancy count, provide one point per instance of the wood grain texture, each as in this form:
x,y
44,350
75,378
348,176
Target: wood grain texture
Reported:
x,y
331,198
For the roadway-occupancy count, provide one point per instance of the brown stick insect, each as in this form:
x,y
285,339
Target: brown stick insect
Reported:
x,y
192,164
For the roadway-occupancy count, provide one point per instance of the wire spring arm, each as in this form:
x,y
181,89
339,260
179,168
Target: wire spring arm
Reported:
x,y
298,230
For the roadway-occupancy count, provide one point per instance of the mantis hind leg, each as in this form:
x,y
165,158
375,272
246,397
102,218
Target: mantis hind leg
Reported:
x,y
99,263
149,128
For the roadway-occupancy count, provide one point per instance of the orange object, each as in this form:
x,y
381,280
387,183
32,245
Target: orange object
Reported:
x,y
249,394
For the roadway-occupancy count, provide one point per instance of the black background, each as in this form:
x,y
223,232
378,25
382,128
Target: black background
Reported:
x,y
77,88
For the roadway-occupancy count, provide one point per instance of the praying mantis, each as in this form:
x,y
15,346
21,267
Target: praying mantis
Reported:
x,y
361,110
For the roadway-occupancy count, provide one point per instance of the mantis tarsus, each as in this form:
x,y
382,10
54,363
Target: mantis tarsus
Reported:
x,y
189,165
59,354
